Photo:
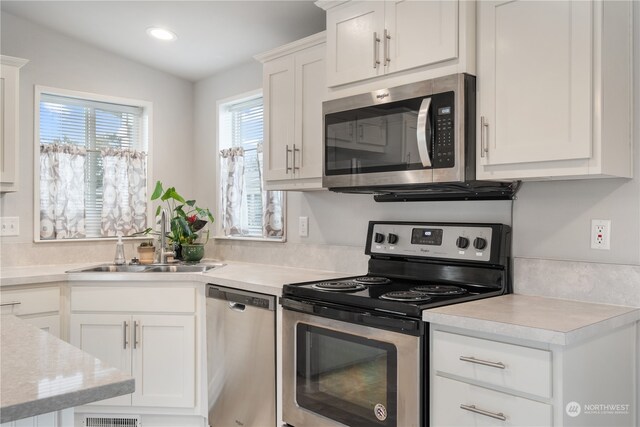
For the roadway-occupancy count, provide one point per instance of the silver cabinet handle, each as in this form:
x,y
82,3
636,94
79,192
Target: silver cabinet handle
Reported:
x,y
472,408
286,159
423,135
125,325
236,306
469,359
376,41
387,37
135,333
483,143
295,150
5,304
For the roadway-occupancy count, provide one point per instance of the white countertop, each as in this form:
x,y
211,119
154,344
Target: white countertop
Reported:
x,y
546,320
263,278
41,373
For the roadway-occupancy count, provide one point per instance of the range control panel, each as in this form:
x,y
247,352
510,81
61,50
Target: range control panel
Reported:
x,y
427,240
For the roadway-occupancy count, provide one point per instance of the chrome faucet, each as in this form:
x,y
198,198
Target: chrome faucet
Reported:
x,y
163,238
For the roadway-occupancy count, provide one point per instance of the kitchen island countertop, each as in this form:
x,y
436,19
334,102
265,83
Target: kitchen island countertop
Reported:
x,y
540,319
41,373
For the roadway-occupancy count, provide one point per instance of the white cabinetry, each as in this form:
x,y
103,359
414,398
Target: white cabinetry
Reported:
x,y
9,123
554,89
63,418
149,332
491,380
366,39
38,305
294,88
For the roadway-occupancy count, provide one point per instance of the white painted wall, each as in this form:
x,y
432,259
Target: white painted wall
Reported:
x,y
551,219
58,61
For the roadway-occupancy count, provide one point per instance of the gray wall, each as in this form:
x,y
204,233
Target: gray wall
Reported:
x,y
62,62
550,219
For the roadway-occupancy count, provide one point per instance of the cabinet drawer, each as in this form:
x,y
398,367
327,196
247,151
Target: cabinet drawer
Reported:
x,y
30,301
513,366
141,300
449,397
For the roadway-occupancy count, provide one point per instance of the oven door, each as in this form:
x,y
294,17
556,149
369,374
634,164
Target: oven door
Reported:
x,y
338,373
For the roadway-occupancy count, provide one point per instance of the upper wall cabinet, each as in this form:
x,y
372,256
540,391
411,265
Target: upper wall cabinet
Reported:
x,y
554,89
367,39
9,124
294,88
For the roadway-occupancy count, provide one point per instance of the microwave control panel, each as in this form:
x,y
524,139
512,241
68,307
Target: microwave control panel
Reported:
x,y
464,242
442,116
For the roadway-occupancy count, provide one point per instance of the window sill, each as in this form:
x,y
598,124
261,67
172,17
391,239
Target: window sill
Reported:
x,y
251,239
95,239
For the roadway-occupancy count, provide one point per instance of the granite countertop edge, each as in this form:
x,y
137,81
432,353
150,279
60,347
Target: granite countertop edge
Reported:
x,y
69,400
535,333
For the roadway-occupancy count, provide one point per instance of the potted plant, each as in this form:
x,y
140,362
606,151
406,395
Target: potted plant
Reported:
x,y
187,223
146,252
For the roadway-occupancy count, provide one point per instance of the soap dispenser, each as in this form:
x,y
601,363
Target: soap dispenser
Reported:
x,y
119,258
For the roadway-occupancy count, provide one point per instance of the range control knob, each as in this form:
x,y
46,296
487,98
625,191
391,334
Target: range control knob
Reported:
x,y
392,238
479,243
462,242
378,238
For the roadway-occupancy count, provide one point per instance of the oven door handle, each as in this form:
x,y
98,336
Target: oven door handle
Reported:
x,y
407,326
423,132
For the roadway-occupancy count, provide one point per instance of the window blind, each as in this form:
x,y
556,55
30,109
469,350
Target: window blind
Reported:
x,y
247,132
95,126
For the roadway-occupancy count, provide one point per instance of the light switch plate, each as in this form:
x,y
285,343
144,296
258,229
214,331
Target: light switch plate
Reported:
x,y
303,226
9,226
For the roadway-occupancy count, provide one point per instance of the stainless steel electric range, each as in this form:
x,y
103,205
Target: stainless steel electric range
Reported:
x,y
355,349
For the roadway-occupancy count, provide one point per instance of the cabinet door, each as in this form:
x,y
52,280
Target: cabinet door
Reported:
x,y
164,354
278,83
49,324
534,59
107,337
419,33
352,49
309,94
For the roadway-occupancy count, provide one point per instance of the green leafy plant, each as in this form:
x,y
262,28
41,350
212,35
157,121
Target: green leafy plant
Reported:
x,y
187,220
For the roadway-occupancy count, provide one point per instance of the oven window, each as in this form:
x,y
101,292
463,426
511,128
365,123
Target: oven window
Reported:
x,y
345,377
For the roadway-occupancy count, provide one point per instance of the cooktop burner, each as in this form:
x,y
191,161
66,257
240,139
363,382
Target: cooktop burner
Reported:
x,y
350,286
440,290
406,296
373,280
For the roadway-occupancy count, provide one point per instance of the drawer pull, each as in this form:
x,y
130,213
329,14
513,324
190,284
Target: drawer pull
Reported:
x,y
472,408
4,304
498,365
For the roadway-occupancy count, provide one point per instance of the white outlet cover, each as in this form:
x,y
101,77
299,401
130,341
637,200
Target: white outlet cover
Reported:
x,y
601,234
303,226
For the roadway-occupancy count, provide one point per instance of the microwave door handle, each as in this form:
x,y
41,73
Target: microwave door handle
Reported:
x,y
424,132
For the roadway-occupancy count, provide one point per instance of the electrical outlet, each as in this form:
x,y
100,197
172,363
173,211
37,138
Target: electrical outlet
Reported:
x,y
10,226
600,234
303,226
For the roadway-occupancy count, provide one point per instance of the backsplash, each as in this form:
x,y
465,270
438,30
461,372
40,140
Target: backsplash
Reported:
x,y
344,259
583,281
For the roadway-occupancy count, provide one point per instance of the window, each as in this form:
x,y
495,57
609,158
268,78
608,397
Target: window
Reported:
x,y
247,210
92,163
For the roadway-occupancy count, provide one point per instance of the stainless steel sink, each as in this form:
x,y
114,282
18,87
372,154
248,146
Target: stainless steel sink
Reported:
x,y
181,268
153,268
111,268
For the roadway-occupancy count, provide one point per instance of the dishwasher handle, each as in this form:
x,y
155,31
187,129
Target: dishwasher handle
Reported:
x,y
239,300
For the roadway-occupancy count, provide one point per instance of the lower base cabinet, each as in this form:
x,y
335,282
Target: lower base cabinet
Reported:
x,y
63,418
155,333
482,379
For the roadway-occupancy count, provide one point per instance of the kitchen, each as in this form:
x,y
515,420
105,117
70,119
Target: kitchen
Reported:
x,y
551,221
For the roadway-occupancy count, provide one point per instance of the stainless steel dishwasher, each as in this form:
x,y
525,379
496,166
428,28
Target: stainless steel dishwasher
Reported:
x,y
241,358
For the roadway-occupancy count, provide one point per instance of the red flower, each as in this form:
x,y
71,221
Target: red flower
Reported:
x,y
191,219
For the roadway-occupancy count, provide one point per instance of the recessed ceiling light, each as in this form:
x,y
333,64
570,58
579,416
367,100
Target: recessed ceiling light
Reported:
x,y
161,33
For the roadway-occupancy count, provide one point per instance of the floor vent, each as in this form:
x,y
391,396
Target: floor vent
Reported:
x,y
106,421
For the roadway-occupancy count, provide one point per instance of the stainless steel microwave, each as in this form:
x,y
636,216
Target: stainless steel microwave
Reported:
x,y
401,139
